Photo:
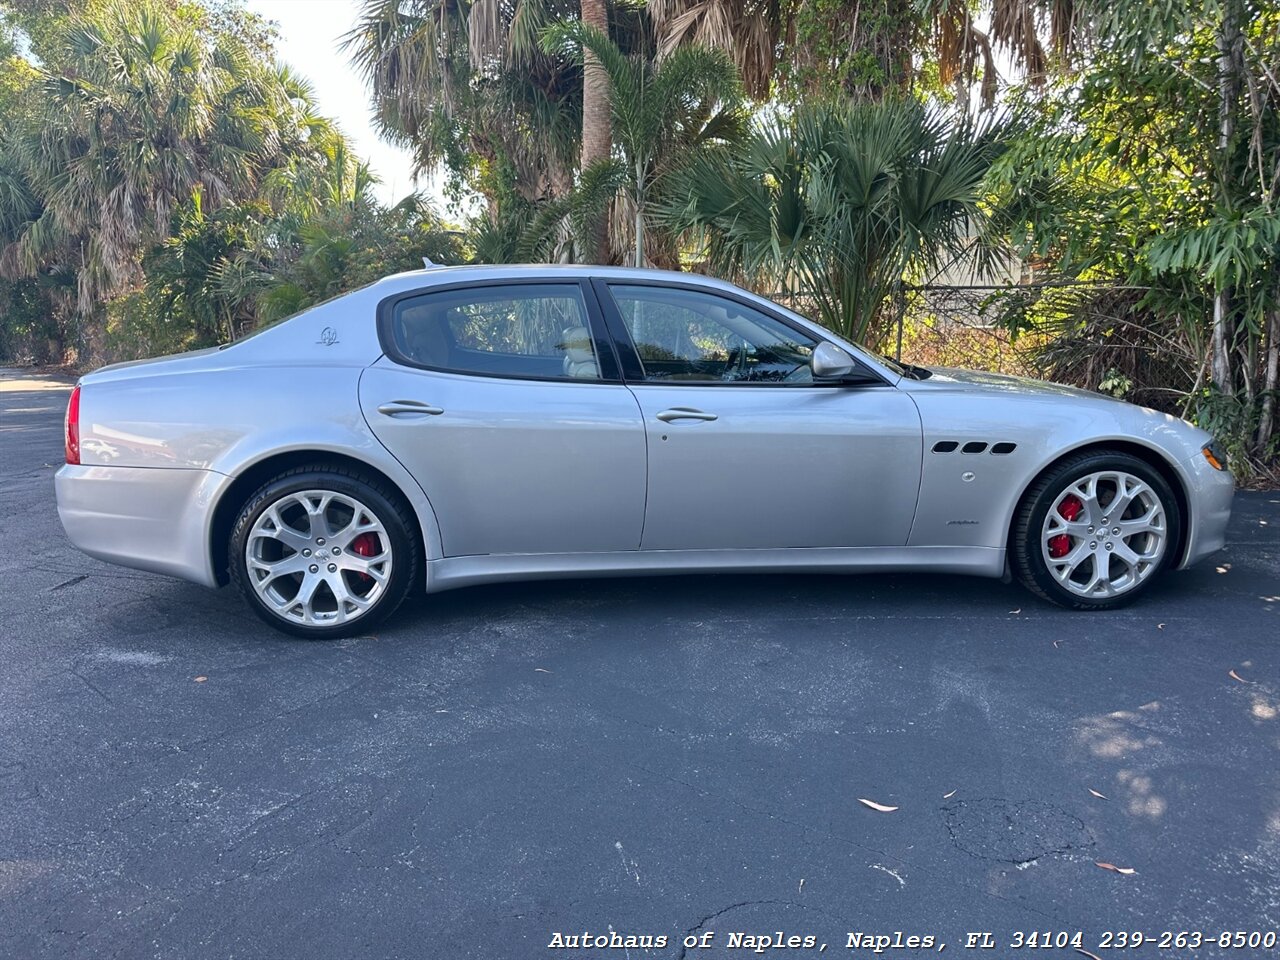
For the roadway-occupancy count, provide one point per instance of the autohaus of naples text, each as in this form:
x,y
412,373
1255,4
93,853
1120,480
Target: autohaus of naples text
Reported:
x,y
876,943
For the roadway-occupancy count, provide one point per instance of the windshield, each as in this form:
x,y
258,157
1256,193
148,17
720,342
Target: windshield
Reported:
x,y
909,370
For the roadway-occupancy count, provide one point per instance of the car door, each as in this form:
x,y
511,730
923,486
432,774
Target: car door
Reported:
x,y
504,401
745,449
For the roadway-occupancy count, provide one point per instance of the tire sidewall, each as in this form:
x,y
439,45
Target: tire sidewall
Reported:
x,y
402,564
1068,474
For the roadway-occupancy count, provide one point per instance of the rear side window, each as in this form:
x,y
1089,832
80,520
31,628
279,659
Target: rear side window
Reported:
x,y
528,330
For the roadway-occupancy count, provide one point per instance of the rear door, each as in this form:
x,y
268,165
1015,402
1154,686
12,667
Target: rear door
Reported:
x,y
504,401
745,449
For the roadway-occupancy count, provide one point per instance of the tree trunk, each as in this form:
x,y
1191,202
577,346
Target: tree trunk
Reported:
x,y
1266,422
597,126
639,214
1230,68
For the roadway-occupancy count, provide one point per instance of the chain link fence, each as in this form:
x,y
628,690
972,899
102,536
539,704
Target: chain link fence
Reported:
x,y
1096,336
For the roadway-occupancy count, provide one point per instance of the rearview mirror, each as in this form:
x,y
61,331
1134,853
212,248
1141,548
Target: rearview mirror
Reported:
x,y
829,362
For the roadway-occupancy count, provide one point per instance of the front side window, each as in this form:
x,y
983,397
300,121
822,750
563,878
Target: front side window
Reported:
x,y
696,337
525,330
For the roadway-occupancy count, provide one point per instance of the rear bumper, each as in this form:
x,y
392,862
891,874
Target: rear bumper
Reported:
x,y
1209,496
148,518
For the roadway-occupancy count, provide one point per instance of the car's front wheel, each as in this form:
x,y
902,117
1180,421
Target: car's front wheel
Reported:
x,y
321,552
1095,530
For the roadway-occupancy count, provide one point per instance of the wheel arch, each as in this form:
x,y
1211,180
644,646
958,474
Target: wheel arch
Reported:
x,y
1152,456
254,474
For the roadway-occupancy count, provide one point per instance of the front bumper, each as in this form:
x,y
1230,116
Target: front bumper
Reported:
x,y
1209,496
148,518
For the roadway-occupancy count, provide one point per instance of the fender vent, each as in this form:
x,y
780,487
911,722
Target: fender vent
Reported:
x,y
945,446
973,446
1004,446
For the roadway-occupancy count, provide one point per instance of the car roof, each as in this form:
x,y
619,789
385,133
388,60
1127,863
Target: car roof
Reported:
x,y
440,275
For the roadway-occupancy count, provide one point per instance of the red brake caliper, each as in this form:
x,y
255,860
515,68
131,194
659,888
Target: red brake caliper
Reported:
x,y
365,545
1068,509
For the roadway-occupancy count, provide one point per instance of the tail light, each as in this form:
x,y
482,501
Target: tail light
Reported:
x,y
73,426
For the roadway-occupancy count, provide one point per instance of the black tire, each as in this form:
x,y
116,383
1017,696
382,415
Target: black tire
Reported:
x,y
386,505
1027,557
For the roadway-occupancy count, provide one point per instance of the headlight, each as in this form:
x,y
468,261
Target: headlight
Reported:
x,y
1215,454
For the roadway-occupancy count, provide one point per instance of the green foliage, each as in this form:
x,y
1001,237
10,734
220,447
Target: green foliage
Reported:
x,y
847,200
342,249
467,86
164,185
665,114
1155,168
142,104
863,50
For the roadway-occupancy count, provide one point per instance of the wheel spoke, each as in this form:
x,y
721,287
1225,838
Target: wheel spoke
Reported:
x,y
360,523
1152,522
1130,557
295,563
369,566
1072,528
317,507
277,529
1087,491
1065,566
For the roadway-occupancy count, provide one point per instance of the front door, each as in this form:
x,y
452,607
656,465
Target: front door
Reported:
x,y
502,403
745,449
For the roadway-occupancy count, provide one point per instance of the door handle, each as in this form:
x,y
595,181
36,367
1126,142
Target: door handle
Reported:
x,y
409,408
684,413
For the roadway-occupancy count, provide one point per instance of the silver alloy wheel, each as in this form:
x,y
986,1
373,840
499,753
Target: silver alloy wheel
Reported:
x,y
1104,534
318,558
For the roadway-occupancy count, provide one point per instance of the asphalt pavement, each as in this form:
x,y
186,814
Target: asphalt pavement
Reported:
x,y
674,758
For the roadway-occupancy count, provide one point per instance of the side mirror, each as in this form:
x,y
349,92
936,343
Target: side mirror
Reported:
x,y
829,362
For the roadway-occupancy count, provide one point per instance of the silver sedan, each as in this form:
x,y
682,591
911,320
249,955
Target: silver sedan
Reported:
x,y
460,425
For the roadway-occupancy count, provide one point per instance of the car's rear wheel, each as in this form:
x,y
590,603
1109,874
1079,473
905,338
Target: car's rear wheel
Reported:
x,y
321,552
1095,530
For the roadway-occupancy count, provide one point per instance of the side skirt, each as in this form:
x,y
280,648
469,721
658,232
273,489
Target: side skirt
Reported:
x,y
453,572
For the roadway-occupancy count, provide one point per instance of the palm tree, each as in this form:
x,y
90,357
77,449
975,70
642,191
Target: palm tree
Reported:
x,y
597,113
850,199
750,31
145,107
664,113
817,42
466,84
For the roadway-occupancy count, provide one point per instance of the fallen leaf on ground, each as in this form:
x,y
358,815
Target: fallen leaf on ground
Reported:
x,y
1235,676
1127,871
948,796
1097,794
203,679
876,806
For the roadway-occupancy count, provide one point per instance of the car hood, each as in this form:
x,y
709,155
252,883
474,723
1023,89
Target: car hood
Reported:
x,y
1002,384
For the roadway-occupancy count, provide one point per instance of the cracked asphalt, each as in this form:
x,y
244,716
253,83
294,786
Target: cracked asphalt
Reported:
x,y
661,757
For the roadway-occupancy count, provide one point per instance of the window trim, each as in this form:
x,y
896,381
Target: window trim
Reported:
x,y
606,353
632,367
